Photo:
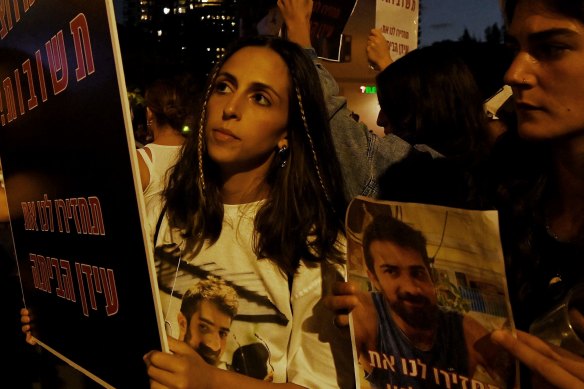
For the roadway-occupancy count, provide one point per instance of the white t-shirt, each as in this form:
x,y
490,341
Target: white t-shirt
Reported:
x,y
293,326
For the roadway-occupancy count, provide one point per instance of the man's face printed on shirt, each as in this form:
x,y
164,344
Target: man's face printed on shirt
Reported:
x,y
207,331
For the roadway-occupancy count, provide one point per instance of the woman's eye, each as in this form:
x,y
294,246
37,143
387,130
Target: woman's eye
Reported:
x,y
550,50
261,99
221,87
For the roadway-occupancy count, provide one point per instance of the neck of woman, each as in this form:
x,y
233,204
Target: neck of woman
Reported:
x,y
166,135
243,188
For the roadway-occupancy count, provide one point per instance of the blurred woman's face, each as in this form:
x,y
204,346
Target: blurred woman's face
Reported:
x,y
547,74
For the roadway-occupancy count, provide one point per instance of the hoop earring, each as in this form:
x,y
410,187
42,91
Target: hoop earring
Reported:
x,y
283,156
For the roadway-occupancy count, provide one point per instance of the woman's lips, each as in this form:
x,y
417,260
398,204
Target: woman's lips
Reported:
x,y
526,106
224,135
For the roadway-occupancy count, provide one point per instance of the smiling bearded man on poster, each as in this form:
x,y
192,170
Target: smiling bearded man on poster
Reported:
x,y
402,322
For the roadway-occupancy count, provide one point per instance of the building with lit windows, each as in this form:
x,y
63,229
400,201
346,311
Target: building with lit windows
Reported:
x,y
191,34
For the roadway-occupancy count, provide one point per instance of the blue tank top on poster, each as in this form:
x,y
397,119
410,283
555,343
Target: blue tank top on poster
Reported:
x,y
405,366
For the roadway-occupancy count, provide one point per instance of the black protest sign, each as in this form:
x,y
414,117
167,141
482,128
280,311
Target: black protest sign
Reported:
x,y
66,152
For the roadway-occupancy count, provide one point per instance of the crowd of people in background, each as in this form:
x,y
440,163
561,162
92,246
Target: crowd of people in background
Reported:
x,y
272,155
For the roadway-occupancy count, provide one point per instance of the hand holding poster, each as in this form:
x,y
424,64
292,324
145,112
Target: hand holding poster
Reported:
x,y
398,21
67,156
431,287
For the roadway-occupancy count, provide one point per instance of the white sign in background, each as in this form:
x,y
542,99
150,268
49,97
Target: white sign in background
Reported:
x,y
399,22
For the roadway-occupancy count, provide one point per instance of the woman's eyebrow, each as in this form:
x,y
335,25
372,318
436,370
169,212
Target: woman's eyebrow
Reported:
x,y
263,86
230,77
256,85
542,36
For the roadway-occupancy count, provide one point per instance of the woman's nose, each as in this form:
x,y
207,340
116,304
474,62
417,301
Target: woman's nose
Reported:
x,y
231,110
518,73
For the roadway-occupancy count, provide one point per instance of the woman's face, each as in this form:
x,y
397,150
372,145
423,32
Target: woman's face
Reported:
x,y
248,111
547,74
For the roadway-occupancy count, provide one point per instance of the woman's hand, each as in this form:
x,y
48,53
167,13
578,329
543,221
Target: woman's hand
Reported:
x,y
25,319
554,365
378,50
343,300
296,14
184,368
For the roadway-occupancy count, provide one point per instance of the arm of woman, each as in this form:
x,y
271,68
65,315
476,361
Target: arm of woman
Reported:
x,y
296,14
553,364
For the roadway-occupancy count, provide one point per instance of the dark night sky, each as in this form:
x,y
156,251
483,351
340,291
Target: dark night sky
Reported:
x,y
442,19
447,19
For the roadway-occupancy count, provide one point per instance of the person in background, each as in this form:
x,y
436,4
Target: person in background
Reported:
x,y
431,97
542,191
362,154
138,115
258,191
442,137
486,61
168,105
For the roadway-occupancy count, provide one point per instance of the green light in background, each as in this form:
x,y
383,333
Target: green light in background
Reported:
x,y
368,89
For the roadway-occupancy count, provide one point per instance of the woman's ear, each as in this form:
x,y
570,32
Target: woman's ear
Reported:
x,y
282,152
283,142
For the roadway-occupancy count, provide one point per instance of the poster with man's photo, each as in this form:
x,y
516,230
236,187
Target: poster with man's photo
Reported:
x,y
431,288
